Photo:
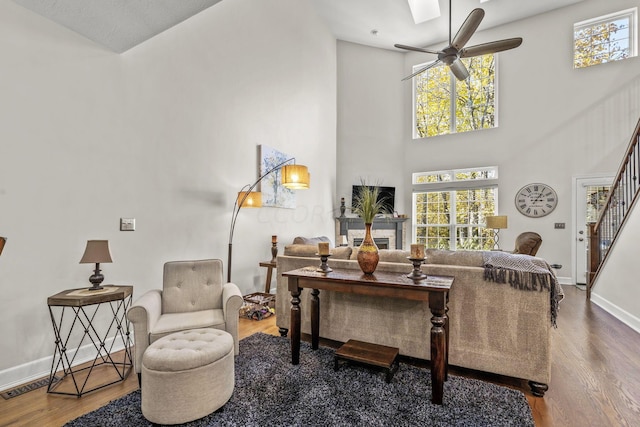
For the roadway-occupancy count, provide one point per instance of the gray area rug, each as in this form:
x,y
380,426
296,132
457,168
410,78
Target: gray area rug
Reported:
x,y
271,391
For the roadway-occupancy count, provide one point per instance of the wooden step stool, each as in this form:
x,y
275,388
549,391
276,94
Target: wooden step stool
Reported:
x,y
368,354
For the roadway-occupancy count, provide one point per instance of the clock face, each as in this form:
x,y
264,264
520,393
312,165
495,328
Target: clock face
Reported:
x,y
536,200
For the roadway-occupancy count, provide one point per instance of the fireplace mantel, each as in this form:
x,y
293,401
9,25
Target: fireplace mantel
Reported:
x,y
354,223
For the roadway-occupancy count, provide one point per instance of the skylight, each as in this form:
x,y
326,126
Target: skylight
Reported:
x,y
424,10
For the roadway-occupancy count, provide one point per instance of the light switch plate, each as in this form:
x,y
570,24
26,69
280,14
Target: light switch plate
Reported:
x,y
127,224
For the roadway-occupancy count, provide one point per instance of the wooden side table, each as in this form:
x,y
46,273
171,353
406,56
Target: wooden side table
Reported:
x,y
82,333
270,266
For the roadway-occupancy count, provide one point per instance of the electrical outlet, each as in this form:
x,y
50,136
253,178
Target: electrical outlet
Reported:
x,y
559,226
127,224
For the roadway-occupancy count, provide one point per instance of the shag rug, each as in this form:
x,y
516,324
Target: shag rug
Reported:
x,y
269,391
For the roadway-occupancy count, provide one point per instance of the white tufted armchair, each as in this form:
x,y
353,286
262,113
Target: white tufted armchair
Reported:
x,y
193,296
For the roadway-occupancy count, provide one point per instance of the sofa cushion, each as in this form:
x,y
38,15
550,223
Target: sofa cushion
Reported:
x,y
311,240
342,252
460,258
388,255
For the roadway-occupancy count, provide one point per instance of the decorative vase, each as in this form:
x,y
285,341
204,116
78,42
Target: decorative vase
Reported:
x,y
368,256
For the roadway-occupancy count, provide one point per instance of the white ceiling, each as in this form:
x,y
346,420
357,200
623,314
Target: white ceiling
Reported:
x,y
122,24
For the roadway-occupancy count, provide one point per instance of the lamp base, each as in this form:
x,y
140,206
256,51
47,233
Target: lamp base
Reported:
x,y
96,279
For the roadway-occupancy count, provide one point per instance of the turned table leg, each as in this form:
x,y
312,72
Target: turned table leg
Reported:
x,y
295,320
438,345
315,318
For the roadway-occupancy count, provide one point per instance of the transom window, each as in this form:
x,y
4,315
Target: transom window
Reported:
x,y
449,208
604,39
443,104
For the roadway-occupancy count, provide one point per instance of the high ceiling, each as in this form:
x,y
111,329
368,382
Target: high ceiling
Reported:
x,y
122,24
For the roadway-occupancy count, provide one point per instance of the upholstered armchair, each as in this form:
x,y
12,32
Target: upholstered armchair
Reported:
x,y
194,295
528,243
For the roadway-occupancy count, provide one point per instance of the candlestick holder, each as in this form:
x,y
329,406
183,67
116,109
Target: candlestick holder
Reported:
x,y
416,274
274,251
324,268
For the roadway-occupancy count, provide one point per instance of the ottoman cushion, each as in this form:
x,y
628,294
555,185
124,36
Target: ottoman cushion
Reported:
x,y
187,375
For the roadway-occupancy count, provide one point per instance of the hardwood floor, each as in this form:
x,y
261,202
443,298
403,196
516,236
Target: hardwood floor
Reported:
x,y
595,376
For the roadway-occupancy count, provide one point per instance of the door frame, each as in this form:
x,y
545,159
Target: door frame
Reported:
x,y
597,179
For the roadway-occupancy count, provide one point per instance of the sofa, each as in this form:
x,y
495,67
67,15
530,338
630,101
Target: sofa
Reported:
x,y
500,315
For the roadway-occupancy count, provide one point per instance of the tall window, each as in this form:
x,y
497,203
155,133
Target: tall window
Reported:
x,y
449,208
443,104
606,38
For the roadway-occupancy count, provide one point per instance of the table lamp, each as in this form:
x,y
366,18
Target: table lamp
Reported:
x,y
497,222
97,251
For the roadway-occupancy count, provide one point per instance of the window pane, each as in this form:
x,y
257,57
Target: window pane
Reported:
x,y
605,39
442,101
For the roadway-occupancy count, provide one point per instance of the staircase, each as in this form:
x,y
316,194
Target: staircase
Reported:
x,y
622,198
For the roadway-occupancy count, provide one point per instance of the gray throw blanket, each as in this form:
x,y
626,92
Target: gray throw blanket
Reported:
x,y
523,272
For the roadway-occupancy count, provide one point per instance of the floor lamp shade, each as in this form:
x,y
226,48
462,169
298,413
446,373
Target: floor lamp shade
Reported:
x,y
250,199
96,252
295,177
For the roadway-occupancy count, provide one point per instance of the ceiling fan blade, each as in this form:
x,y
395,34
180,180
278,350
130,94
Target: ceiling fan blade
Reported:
x,y
490,47
469,26
459,70
422,70
415,49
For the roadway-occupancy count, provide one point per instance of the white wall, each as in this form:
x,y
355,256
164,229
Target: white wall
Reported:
x,y
554,122
166,133
370,120
616,286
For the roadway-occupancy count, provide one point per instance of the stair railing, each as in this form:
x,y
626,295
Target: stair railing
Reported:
x,y
622,196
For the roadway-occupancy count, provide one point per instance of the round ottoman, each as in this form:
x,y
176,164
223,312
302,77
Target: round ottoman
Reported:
x,y
187,375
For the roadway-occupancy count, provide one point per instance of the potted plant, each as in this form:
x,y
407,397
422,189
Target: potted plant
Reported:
x,y
368,204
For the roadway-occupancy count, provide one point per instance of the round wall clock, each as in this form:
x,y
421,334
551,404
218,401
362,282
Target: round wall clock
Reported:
x,y
536,200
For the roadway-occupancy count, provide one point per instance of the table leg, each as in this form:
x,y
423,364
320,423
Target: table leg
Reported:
x,y
446,331
438,345
315,318
295,320
267,285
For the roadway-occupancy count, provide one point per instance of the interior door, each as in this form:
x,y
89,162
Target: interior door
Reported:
x,y
591,193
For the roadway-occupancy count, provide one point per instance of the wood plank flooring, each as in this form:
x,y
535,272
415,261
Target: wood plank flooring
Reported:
x,y
595,377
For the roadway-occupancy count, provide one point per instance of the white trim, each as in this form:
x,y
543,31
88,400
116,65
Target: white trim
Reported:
x,y
625,317
41,368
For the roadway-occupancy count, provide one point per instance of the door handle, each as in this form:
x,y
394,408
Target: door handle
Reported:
x,y
580,239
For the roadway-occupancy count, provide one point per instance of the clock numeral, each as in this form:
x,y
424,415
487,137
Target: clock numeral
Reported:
x,y
529,210
551,199
535,188
535,211
523,206
549,206
528,190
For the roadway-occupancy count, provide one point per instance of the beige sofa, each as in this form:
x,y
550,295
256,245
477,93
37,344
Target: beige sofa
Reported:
x,y
494,327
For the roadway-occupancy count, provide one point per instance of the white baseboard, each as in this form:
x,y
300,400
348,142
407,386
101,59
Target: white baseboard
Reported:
x,y
627,318
28,372
565,280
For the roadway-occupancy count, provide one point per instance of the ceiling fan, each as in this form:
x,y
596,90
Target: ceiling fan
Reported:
x,y
451,54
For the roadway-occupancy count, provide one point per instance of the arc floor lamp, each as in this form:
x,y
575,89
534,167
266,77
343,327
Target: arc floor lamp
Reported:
x,y
295,177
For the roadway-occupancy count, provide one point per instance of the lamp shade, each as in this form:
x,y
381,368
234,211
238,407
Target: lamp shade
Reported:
x,y
250,199
3,240
295,177
497,221
97,251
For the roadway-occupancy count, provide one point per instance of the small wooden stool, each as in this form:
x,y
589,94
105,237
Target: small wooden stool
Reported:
x,y
369,354
270,266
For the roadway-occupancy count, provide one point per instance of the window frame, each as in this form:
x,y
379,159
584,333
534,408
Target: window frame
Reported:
x,y
631,14
452,186
453,99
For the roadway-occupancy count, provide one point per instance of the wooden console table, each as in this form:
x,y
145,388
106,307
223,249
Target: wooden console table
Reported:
x,y
433,289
